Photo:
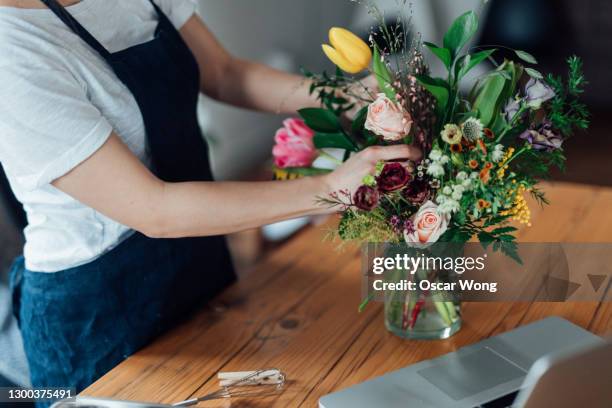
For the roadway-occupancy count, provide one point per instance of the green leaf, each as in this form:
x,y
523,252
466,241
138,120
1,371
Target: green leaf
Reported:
x,y
359,120
460,32
335,140
534,73
525,56
503,230
443,54
438,88
485,237
470,61
487,102
305,171
320,120
382,74
510,249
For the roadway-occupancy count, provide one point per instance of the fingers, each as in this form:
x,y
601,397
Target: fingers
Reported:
x,y
393,153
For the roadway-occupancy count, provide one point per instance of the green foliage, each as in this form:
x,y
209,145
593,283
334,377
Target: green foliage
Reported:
x,y
538,164
320,120
460,32
334,140
466,63
304,171
369,226
326,86
535,74
567,112
382,74
525,56
438,88
443,54
488,102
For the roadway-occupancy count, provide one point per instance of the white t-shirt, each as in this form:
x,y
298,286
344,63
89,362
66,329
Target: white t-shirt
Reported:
x,y
59,103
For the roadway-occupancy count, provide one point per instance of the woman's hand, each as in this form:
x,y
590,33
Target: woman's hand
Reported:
x,y
350,175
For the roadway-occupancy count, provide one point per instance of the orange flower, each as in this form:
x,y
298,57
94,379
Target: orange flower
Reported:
x,y
488,166
485,175
483,204
488,133
473,164
456,148
482,146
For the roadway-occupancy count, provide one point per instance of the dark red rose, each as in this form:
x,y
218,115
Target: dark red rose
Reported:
x,y
417,192
366,198
393,177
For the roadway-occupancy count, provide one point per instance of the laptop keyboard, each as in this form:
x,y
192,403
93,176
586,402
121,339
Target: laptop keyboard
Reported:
x,y
502,402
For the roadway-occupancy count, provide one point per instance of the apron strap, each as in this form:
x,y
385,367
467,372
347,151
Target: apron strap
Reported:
x,y
76,27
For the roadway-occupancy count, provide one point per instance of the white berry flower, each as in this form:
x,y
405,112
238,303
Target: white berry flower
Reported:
x,y
435,170
435,155
498,153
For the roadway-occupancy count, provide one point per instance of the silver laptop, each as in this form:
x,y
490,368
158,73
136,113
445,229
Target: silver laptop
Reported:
x,y
549,363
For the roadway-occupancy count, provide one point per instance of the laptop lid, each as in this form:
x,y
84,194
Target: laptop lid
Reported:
x,y
579,377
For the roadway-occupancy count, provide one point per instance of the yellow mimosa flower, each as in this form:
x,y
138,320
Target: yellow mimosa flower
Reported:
x,y
349,52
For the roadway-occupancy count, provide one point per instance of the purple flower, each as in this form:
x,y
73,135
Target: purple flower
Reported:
x,y
408,227
511,109
396,223
543,137
393,177
366,198
417,192
537,92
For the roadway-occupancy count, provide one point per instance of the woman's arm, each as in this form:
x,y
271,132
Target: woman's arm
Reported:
x,y
114,182
243,83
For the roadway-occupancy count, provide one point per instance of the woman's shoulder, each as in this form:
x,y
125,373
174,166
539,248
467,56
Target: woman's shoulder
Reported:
x,y
29,42
178,11
20,39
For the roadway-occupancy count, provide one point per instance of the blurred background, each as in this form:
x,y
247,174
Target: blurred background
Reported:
x,y
287,35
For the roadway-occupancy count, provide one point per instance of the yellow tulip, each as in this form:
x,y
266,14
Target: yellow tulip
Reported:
x,y
349,52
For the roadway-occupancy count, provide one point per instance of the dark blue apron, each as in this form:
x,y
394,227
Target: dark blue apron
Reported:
x,y
79,323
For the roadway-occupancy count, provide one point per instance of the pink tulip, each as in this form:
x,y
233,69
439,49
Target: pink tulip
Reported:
x,y
294,145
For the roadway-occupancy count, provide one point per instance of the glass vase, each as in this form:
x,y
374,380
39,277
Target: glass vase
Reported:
x,y
423,313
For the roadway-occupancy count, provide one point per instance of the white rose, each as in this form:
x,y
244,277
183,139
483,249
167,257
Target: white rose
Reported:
x,y
429,224
388,119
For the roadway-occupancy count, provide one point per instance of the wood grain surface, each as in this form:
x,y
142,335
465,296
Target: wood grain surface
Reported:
x,y
298,311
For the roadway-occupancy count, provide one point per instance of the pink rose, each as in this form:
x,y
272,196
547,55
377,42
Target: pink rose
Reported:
x,y
428,225
388,119
294,145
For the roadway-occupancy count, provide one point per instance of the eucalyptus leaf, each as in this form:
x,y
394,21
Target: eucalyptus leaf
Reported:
x,y
382,74
444,54
320,120
334,140
534,73
525,56
460,32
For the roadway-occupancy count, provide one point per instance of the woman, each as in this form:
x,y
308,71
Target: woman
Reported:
x,y
100,142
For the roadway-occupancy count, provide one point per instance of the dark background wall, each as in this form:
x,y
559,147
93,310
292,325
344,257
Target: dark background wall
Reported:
x,y
553,30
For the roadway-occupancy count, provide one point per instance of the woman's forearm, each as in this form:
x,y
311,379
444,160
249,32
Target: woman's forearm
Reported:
x,y
256,86
198,209
243,83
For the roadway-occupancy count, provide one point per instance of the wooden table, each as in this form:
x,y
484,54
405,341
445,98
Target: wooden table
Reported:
x,y
298,311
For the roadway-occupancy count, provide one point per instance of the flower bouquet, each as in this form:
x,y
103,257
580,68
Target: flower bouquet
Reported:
x,y
484,149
